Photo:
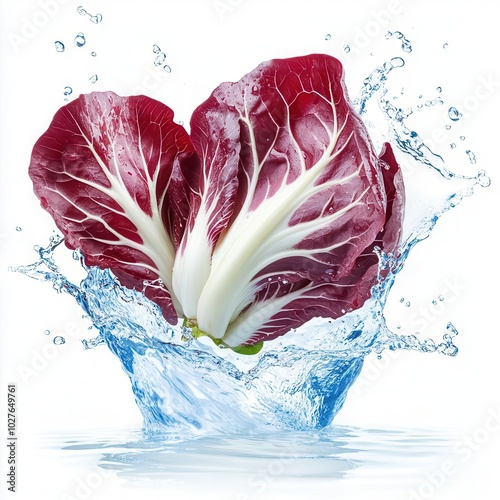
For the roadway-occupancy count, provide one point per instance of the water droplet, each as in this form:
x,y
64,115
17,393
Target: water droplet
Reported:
x,y
59,340
67,90
405,43
408,304
472,156
19,229
328,37
447,127
482,179
156,49
181,122
167,68
402,299
397,62
441,298
445,45
81,10
160,59
96,19
93,79
453,145
454,114
347,49
462,137
255,89
93,54
80,40
46,332
59,46
439,89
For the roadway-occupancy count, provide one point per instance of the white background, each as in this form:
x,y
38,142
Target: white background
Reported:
x,y
207,42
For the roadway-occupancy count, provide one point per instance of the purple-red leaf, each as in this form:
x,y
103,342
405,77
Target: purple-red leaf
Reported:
x,y
108,171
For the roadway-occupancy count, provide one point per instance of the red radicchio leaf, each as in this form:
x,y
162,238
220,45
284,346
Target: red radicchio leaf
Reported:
x,y
108,171
310,206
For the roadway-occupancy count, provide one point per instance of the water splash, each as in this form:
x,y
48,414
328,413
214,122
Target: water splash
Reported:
x,y
298,381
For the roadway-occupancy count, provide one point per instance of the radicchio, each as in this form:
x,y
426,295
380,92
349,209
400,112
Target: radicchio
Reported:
x,y
266,216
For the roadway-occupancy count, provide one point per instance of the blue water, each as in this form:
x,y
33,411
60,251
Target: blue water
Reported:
x,y
187,386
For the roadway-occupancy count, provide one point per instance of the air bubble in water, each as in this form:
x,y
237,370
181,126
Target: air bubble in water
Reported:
x,y
59,46
454,114
93,79
80,40
67,90
59,340
472,156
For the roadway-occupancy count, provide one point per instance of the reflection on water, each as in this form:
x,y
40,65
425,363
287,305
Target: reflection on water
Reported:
x,y
253,466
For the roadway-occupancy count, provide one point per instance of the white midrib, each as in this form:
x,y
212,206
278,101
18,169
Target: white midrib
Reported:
x,y
150,228
233,262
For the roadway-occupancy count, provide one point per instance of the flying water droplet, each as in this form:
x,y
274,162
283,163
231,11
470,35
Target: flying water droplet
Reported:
x,y
167,68
80,40
472,156
96,19
59,340
347,49
405,43
453,145
454,114
408,304
68,90
59,46
160,59
439,89
19,229
445,45
156,49
93,79
93,54
482,179
328,37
